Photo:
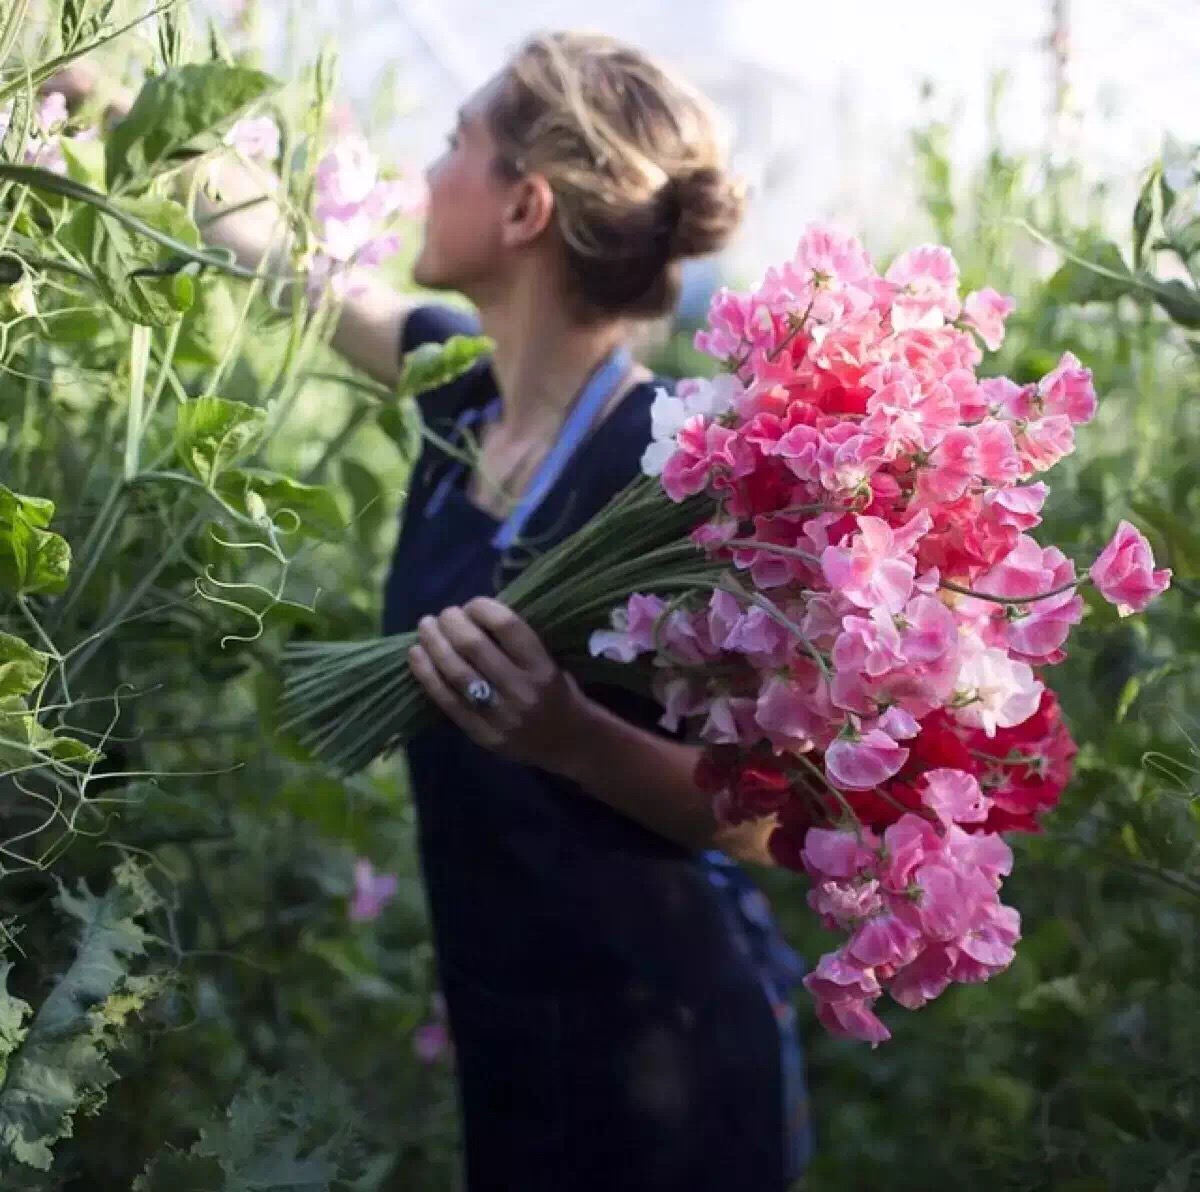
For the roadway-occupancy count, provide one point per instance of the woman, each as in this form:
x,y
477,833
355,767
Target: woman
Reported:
x,y
615,989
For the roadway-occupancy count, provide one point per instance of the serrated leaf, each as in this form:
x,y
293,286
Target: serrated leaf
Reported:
x,y
175,109
134,274
32,558
213,434
22,667
275,1136
60,1064
432,365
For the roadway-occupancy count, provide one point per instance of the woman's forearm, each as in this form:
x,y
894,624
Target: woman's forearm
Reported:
x,y
651,779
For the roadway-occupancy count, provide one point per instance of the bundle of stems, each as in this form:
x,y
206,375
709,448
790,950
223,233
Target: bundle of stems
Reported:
x,y
350,702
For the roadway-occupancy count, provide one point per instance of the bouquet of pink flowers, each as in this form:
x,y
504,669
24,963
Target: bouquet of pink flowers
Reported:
x,y
866,670
828,574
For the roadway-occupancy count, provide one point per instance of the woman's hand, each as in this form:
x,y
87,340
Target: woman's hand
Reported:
x,y
536,711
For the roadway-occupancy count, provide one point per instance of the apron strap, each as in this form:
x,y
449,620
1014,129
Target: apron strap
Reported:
x,y
592,399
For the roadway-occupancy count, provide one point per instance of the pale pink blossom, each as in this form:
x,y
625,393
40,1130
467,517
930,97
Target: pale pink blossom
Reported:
x,y
985,311
955,797
926,279
861,762
255,137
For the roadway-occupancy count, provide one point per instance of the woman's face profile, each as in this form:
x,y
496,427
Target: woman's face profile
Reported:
x,y
468,201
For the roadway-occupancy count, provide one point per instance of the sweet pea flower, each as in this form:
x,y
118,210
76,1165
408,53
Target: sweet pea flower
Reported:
x,y
985,311
1124,572
372,891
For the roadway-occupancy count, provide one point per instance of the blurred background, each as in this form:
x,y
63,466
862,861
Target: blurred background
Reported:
x,y
288,1033
819,99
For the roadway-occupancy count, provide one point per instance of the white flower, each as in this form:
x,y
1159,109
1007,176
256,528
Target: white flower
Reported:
x,y
995,691
671,412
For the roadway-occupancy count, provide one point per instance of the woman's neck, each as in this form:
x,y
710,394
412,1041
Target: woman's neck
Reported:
x,y
543,356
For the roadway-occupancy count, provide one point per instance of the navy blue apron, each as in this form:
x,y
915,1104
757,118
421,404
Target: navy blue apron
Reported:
x,y
611,1015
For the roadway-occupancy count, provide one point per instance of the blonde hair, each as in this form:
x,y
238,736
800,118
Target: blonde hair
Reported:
x,y
632,157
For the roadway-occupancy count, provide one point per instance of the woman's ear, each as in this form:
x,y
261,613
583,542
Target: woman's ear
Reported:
x,y
529,212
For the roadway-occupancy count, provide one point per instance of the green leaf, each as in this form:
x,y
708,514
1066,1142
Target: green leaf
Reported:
x,y
175,109
1180,302
367,494
59,1065
433,365
22,667
82,21
276,1136
294,507
1078,283
32,559
135,274
209,324
26,743
213,434
73,327
1136,684
1143,215
402,424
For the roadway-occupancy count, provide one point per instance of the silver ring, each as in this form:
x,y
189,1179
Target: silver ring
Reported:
x,y
480,693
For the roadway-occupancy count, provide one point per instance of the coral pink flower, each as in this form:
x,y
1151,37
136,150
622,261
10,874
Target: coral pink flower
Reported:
x,y
1068,390
927,282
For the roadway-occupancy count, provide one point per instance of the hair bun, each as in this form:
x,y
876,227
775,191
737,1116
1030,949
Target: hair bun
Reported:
x,y
709,206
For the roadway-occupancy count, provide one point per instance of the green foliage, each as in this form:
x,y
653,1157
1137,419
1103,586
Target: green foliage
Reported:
x,y
58,1066
212,434
32,558
432,365
174,111
272,1138
137,277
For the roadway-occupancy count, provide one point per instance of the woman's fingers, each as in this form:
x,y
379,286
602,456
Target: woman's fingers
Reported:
x,y
450,701
514,636
474,644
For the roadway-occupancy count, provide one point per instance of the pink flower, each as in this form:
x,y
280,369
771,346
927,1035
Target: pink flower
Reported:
x,y
853,1019
927,281
955,797
791,714
345,176
1043,442
861,762
924,978
878,568
372,891
884,939
985,310
838,979
993,690
1068,390
835,853
843,904
989,941
1124,572
431,1042
632,632
906,844
256,137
